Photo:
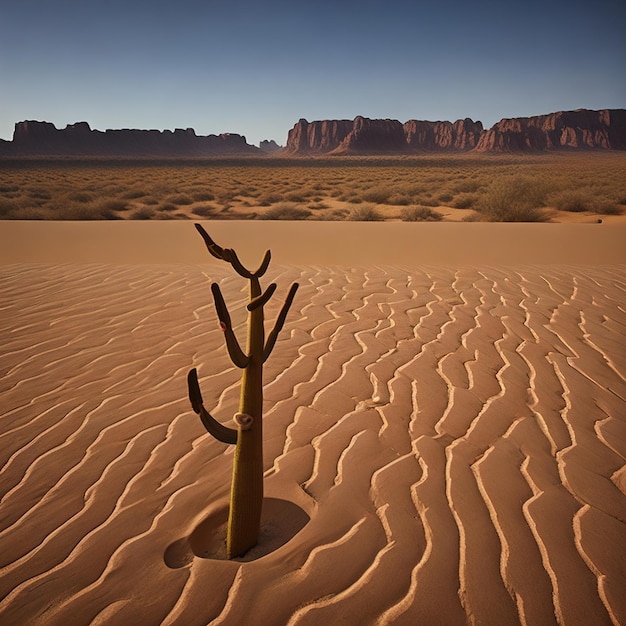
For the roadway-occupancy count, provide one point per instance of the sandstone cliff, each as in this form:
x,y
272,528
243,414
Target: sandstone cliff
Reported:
x,y
317,137
43,138
581,129
557,131
367,136
460,135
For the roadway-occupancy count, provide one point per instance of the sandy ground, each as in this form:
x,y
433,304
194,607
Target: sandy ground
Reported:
x,y
445,425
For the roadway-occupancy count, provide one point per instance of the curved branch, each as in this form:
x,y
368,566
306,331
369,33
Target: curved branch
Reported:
x,y
220,432
263,298
265,263
280,321
238,265
237,355
212,247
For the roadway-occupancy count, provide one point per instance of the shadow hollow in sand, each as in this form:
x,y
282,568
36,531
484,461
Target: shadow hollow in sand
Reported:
x,y
281,521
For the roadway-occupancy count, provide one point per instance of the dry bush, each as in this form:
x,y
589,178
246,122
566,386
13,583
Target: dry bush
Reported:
x,y
202,196
377,196
113,204
474,216
204,210
179,199
581,200
286,211
167,207
465,200
420,214
604,206
364,213
80,196
514,199
144,213
269,198
134,194
397,199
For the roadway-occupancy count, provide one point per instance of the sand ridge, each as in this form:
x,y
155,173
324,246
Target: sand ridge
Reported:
x,y
454,436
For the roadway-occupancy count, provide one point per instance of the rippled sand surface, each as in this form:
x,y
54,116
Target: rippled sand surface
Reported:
x,y
441,446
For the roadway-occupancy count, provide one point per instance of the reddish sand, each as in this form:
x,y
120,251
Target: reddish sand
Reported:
x,y
445,425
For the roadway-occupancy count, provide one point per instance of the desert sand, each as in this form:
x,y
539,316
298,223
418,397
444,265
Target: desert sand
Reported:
x,y
445,425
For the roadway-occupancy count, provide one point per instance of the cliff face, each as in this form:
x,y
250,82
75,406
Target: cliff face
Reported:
x,y
43,138
367,136
564,130
317,137
378,136
558,131
460,135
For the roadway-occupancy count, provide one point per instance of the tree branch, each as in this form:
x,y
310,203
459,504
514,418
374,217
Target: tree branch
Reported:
x,y
280,321
237,355
219,431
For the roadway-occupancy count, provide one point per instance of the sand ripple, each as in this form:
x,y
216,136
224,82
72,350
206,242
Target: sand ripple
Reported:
x,y
456,437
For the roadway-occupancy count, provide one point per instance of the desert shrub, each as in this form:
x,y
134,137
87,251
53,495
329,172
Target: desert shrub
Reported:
x,y
474,216
80,196
179,199
399,200
420,214
377,196
286,211
8,206
574,200
83,212
204,210
40,194
337,215
144,213
515,199
466,186
112,204
202,195
604,206
579,200
30,213
269,198
445,197
298,196
465,201
133,194
167,207
9,188
364,213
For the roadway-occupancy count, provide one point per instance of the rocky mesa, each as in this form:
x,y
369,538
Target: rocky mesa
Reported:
x,y
33,138
563,130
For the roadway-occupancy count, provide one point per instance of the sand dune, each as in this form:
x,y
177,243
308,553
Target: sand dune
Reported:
x,y
441,446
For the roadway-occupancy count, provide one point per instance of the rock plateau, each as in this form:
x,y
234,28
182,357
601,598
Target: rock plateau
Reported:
x,y
573,130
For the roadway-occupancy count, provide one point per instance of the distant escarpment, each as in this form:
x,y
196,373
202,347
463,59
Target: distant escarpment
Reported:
x,y
32,138
269,145
573,130
557,131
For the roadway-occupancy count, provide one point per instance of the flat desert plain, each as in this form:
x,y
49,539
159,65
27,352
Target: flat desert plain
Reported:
x,y
444,429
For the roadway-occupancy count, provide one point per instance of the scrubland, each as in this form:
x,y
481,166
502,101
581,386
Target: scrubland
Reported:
x,y
551,187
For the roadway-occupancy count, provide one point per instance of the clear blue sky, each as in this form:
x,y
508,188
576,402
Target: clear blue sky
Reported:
x,y
255,68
